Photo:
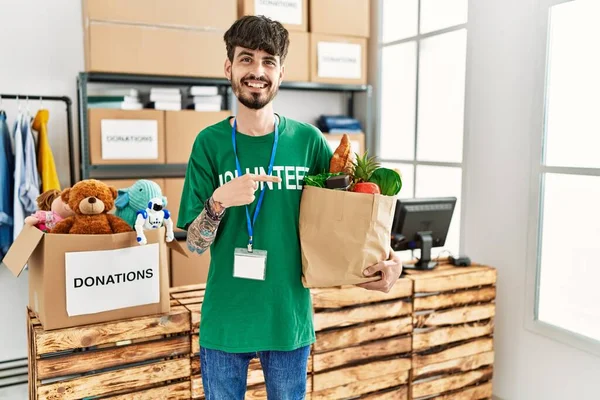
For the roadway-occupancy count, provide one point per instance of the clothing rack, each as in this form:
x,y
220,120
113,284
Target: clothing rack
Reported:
x,y
68,104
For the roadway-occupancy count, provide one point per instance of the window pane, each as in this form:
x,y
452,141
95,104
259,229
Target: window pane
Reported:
x,y
442,182
569,295
398,89
407,172
441,14
400,19
572,103
442,97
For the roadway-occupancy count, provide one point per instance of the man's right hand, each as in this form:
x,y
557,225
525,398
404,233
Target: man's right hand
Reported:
x,y
240,191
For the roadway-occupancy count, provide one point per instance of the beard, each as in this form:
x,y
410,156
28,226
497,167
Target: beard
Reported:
x,y
252,100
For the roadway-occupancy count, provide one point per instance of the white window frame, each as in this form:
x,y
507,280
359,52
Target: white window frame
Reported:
x,y
378,100
538,170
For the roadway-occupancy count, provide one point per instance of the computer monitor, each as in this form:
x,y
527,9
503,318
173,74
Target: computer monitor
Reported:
x,y
422,224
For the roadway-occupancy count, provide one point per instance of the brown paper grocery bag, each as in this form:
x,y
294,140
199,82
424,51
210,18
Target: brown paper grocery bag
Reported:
x,y
341,234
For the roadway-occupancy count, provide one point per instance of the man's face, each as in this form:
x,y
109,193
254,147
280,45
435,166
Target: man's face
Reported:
x,y
255,76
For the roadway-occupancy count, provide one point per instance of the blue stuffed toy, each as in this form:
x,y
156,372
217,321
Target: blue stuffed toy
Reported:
x,y
142,205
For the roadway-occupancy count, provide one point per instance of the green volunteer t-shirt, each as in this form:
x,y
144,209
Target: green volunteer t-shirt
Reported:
x,y
242,315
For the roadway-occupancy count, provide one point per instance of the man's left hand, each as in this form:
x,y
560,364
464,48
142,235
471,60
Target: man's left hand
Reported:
x,y
389,270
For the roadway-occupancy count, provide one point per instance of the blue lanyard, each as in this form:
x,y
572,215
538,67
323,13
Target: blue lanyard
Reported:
x,y
262,193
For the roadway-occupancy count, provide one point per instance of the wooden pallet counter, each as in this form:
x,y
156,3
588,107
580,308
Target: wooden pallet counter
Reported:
x,y
363,342
453,325
140,358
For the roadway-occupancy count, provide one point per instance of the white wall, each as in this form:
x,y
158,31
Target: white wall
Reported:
x,y
504,56
42,53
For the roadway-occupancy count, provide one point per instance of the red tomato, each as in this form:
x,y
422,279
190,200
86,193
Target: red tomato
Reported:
x,y
367,187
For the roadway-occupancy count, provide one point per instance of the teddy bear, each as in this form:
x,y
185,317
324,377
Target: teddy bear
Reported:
x,y
91,200
51,210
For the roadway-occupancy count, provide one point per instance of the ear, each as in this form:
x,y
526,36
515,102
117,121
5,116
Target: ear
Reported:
x,y
65,195
122,198
164,199
281,74
113,191
227,68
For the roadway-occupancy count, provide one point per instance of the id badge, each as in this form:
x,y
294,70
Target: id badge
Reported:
x,y
248,265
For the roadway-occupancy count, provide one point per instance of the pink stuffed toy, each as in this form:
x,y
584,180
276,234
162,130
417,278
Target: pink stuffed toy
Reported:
x,y
51,211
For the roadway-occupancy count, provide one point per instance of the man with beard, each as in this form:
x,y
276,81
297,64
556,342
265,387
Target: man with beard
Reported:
x,y
241,198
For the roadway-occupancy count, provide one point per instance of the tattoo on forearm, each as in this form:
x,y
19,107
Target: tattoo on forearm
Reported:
x,y
201,233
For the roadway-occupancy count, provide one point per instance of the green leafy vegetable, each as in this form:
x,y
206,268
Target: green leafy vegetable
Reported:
x,y
319,180
388,180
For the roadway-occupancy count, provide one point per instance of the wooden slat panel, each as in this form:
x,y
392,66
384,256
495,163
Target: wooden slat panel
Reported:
x,y
477,346
197,388
437,337
444,269
358,315
382,348
310,363
455,316
447,300
195,300
449,383
463,364
195,344
342,338
453,282
31,372
112,332
256,393
255,373
81,362
195,361
400,393
188,295
176,391
195,314
353,295
483,391
362,386
188,288
345,376
115,381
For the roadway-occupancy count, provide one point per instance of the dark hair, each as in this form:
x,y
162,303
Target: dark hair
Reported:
x,y
257,33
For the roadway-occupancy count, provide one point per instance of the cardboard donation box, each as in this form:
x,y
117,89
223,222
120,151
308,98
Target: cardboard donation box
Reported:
x,y
338,59
84,279
341,234
293,14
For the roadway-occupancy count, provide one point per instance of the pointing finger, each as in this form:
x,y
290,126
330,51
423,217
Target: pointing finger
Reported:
x,y
266,178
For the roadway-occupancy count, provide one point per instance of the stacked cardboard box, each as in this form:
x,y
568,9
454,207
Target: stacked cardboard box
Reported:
x,y
146,136
157,37
339,30
293,14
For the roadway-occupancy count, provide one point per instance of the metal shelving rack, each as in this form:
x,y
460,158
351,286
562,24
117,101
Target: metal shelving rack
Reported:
x,y
178,170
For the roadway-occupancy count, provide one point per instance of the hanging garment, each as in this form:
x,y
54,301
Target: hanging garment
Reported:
x,y
30,190
19,177
7,170
45,158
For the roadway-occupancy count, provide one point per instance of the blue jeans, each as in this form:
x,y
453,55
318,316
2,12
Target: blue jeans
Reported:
x,y
224,375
